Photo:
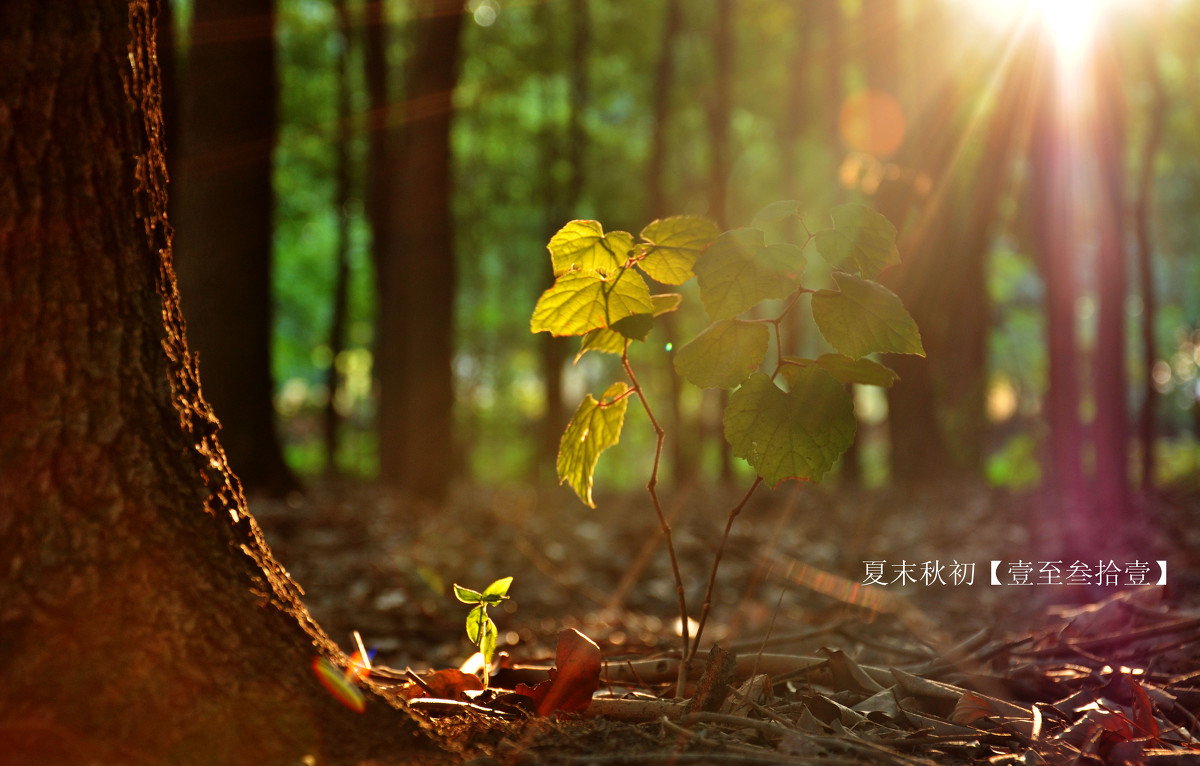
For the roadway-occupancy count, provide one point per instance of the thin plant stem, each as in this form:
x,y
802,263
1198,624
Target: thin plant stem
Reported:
x,y
712,575
652,488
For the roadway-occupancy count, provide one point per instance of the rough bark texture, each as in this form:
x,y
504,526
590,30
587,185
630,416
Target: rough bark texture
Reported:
x,y
142,616
223,218
417,277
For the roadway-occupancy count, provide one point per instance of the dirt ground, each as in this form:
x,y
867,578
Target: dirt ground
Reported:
x,y
1050,670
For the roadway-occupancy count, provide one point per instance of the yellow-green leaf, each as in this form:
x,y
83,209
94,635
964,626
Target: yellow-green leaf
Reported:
x,y
859,235
795,435
583,246
738,270
862,317
498,589
595,427
673,244
724,354
604,340
582,301
665,303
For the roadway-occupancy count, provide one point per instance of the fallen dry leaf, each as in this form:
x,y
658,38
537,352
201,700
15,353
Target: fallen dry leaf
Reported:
x,y
447,684
573,680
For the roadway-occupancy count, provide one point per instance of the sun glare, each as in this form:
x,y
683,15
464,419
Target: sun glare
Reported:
x,y
1070,24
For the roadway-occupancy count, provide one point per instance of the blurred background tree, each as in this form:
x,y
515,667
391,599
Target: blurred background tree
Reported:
x,y
400,291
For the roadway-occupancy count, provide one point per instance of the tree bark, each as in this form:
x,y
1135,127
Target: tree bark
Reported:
x,y
918,448
225,204
1110,385
143,618
1051,215
417,275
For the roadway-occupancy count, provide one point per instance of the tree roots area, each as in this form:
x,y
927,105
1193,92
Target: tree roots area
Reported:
x,y
951,625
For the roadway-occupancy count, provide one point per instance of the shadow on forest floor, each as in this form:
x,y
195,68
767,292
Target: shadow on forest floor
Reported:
x,y
1058,669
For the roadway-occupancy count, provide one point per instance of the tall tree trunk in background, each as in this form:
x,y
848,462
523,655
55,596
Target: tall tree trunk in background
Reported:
x,y
331,419
561,204
418,276
720,113
664,79
225,229
1145,265
1050,209
880,42
378,183
1110,385
144,619
833,26
379,188
963,366
826,16
797,103
684,455
918,449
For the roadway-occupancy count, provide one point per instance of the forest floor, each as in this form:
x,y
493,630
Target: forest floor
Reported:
x,y
933,664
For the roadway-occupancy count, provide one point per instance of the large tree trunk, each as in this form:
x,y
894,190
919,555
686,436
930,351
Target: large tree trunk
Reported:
x,y
417,277
918,448
720,115
332,419
142,617
1145,266
1110,386
1050,210
684,455
561,202
224,222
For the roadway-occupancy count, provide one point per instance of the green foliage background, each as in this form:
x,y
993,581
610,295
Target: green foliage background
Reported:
x,y
511,167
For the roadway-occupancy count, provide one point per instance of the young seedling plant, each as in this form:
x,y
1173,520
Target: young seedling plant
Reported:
x,y
788,416
480,628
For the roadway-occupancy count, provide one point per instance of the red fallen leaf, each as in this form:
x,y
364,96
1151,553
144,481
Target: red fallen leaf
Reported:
x,y
448,684
970,708
1143,709
574,679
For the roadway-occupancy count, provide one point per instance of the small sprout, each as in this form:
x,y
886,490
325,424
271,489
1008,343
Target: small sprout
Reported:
x,y
480,628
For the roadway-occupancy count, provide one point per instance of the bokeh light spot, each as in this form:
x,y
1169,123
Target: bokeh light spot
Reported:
x,y
872,121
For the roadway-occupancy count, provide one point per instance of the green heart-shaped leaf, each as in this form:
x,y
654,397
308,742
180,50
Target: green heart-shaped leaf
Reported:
x,y
738,271
847,370
582,301
777,211
862,317
583,246
724,354
673,244
859,235
799,434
